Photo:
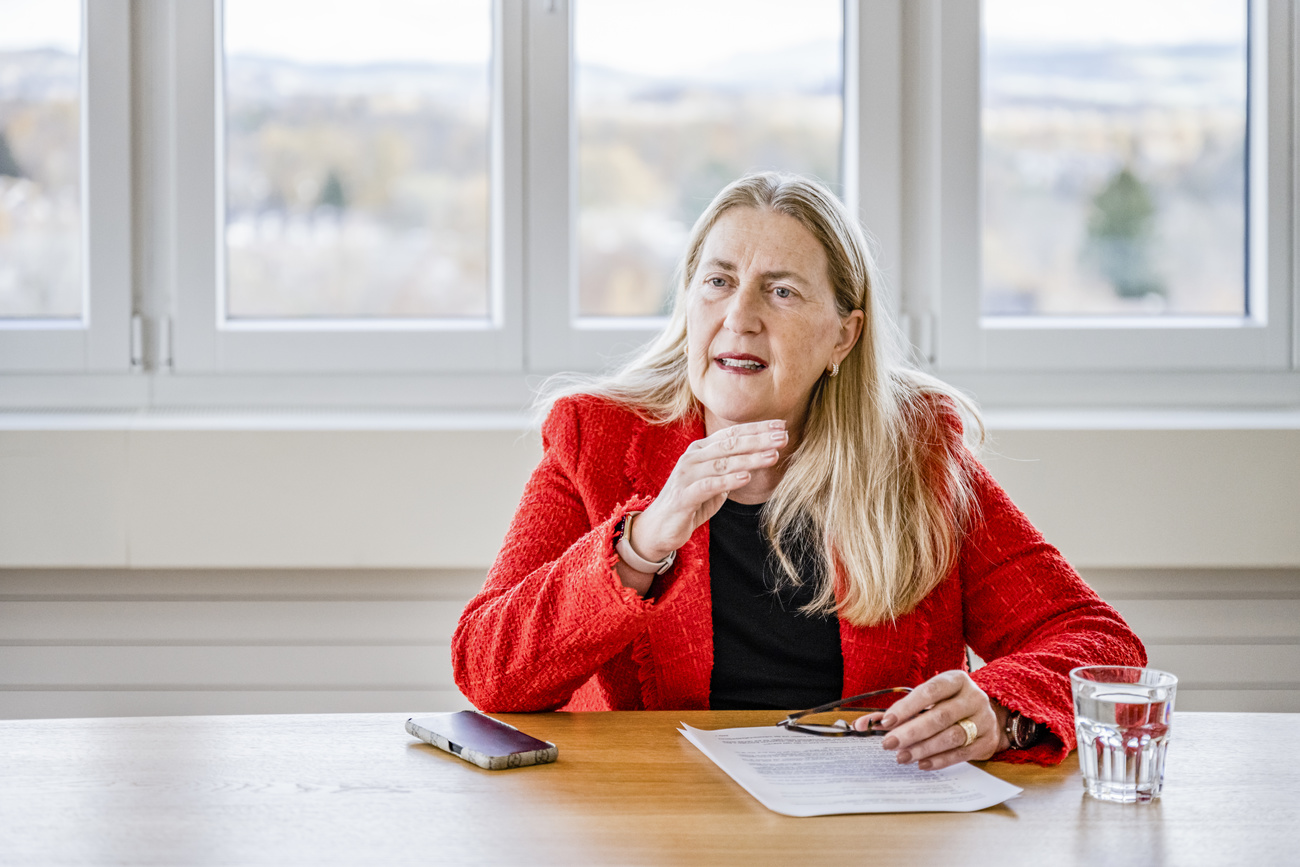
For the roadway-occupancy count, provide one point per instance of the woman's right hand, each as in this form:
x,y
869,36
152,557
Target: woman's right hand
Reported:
x,y
706,472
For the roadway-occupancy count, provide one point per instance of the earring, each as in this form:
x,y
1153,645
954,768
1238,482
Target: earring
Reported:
x,y
835,368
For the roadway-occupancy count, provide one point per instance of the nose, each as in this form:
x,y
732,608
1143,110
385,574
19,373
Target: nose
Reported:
x,y
743,310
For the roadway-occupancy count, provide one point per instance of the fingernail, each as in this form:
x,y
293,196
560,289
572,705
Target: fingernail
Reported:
x,y
924,764
890,743
773,453
904,757
777,425
888,721
780,436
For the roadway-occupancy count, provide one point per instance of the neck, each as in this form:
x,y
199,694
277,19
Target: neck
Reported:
x,y
760,487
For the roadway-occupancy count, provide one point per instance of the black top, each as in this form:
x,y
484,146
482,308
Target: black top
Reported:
x,y
766,654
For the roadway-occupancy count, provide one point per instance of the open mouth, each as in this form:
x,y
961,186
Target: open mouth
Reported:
x,y
740,363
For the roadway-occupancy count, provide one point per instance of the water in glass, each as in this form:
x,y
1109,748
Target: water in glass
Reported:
x,y
1123,732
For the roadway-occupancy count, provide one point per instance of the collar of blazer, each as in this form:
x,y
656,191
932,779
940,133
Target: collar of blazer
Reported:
x,y
654,451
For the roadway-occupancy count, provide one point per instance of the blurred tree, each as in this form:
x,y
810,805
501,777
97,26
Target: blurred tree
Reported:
x,y
331,193
8,165
1120,234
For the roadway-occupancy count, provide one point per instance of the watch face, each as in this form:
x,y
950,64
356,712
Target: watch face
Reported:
x,y
1022,731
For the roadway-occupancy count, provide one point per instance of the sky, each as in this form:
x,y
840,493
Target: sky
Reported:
x,y
688,36
1116,22
631,35
361,31
40,24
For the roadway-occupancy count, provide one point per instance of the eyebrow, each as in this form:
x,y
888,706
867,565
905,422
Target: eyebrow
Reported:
x,y
724,265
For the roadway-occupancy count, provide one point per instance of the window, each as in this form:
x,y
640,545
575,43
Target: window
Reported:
x,y
1114,159
357,160
673,101
435,202
1121,192
360,172
649,110
40,163
64,186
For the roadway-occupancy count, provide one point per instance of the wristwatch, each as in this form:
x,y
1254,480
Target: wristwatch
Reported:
x,y
623,547
1022,732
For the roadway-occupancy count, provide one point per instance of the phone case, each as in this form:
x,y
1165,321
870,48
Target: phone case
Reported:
x,y
482,740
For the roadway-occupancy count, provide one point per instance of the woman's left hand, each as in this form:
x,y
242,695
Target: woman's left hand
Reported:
x,y
935,739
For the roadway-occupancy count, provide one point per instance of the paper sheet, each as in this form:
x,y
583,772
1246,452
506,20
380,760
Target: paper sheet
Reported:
x,y
804,775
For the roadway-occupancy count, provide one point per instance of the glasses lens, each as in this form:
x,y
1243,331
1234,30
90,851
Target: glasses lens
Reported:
x,y
822,729
832,722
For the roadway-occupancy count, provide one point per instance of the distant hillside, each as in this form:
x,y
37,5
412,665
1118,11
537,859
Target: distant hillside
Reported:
x,y
45,74
279,78
1014,75
1114,78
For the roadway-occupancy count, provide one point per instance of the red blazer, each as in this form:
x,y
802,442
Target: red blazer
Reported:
x,y
554,628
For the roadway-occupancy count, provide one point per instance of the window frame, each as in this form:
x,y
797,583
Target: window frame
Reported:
x,y
965,341
100,340
151,127
205,342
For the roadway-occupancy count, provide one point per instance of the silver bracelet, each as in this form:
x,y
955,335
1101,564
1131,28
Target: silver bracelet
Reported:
x,y
623,547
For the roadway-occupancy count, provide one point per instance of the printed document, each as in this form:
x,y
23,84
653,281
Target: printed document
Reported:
x,y
804,775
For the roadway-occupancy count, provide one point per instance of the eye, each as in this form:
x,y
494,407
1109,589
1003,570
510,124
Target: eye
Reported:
x,y
716,282
783,292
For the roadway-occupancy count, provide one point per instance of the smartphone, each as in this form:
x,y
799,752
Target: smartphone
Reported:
x,y
481,740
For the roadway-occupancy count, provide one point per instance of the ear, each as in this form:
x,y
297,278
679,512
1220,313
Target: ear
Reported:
x,y
850,331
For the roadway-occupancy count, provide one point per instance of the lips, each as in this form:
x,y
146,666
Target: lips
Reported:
x,y
740,362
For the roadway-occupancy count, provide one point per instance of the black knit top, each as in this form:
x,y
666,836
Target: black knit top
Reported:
x,y
766,654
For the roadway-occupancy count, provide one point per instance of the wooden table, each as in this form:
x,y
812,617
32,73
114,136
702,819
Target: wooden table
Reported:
x,y
628,789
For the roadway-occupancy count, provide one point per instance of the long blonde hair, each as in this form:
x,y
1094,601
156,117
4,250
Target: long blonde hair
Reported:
x,y
876,493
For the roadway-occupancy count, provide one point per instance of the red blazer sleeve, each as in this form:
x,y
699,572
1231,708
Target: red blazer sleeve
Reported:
x,y
552,609
1031,616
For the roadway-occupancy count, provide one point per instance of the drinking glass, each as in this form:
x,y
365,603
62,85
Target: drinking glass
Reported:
x,y
1121,717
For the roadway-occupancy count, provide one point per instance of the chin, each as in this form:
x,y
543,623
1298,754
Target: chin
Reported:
x,y
738,412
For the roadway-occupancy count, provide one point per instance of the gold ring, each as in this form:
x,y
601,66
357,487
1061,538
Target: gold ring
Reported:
x,y
971,731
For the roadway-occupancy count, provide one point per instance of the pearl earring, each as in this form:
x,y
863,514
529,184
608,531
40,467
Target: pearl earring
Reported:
x,y
835,368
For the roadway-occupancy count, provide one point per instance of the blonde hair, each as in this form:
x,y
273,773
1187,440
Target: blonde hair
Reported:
x,y
875,494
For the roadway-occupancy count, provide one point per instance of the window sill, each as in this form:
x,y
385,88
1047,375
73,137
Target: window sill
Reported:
x,y
1140,419
245,419
257,420
495,401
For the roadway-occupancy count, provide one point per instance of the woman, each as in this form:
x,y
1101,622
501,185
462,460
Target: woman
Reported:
x,y
770,508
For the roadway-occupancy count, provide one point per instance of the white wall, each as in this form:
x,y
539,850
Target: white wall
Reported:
x,y
1126,498
258,498
161,567
240,497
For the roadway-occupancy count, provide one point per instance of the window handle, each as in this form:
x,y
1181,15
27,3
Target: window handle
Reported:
x,y
137,342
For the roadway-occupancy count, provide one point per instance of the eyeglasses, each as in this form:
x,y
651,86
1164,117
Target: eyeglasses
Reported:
x,y
840,728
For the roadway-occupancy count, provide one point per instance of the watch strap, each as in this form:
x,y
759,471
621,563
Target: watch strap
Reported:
x,y
623,547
